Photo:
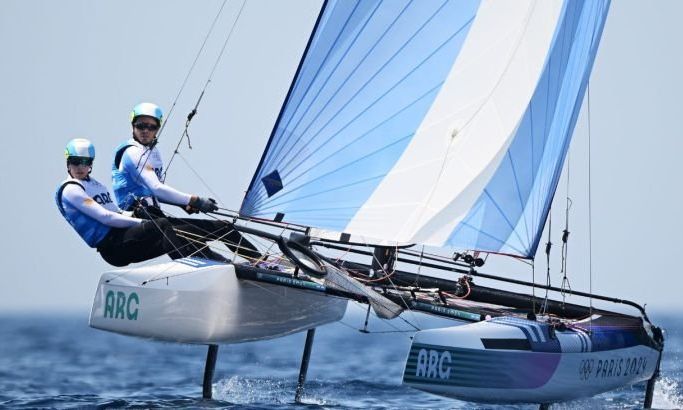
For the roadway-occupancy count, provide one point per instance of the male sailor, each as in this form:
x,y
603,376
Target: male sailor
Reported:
x,y
136,174
120,239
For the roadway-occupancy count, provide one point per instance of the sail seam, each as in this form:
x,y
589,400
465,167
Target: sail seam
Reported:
x,y
333,171
375,76
355,141
498,208
282,142
519,194
247,206
325,191
321,88
284,174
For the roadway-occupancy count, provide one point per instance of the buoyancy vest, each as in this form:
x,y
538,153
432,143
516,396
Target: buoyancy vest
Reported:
x,y
91,230
129,158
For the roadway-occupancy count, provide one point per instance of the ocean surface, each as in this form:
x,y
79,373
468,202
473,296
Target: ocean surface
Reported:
x,y
56,361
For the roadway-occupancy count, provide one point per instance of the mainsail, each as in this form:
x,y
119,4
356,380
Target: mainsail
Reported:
x,y
444,123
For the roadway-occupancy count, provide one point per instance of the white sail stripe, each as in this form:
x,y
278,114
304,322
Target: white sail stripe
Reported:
x,y
498,69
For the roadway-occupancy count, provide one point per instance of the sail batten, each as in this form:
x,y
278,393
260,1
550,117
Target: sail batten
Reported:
x,y
437,123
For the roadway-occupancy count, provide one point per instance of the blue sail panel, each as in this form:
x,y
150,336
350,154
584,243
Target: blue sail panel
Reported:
x,y
371,73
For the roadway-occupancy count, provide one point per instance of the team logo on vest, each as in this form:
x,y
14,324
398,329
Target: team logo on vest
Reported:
x,y
120,305
103,198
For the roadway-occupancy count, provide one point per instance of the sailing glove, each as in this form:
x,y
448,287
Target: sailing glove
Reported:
x,y
204,204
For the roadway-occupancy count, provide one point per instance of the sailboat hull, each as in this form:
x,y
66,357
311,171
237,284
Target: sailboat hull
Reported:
x,y
198,301
523,362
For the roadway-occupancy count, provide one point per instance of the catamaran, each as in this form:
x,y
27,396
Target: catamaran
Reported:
x,y
417,140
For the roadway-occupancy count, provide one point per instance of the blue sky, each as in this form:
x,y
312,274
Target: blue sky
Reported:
x,y
75,69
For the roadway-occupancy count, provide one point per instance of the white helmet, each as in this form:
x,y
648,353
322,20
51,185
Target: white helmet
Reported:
x,y
148,109
79,150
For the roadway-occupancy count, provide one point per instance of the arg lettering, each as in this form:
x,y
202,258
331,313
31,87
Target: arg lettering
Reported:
x,y
103,198
119,305
433,364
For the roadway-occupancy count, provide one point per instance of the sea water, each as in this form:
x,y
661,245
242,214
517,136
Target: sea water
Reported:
x,y
56,361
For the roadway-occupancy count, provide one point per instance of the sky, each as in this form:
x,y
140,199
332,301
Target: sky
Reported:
x,y
75,68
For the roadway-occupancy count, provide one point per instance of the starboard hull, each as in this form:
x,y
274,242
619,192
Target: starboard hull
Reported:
x,y
197,301
499,363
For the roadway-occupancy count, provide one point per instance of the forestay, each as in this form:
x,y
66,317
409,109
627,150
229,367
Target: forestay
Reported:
x,y
444,123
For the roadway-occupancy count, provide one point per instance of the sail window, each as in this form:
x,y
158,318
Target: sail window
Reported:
x,y
272,182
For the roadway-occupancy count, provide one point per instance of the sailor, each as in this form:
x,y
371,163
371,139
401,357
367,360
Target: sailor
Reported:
x,y
136,174
119,238
137,169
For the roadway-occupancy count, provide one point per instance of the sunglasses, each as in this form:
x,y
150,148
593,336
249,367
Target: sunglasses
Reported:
x,y
142,126
79,161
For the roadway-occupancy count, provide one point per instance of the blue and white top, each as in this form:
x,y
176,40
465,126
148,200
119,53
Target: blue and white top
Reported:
x,y
87,205
136,173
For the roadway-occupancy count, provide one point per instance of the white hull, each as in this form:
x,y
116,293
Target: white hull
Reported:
x,y
194,301
455,362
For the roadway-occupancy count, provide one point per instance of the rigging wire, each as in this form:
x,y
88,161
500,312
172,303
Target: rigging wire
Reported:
x,y
548,246
192,113
196,58
533,286
182,87
590,210
206,185
419,266
397,330
565,237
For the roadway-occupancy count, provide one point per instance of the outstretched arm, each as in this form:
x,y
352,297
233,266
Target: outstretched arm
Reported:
x,y
163,192
75,195
138,164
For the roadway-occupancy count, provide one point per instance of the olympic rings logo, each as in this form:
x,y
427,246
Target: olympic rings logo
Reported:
x,y
585,369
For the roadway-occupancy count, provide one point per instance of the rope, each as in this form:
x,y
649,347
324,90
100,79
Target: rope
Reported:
x,y
204,183
565,237
390,324
196,58
548,246
160,274
533,286
590,210
469,290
